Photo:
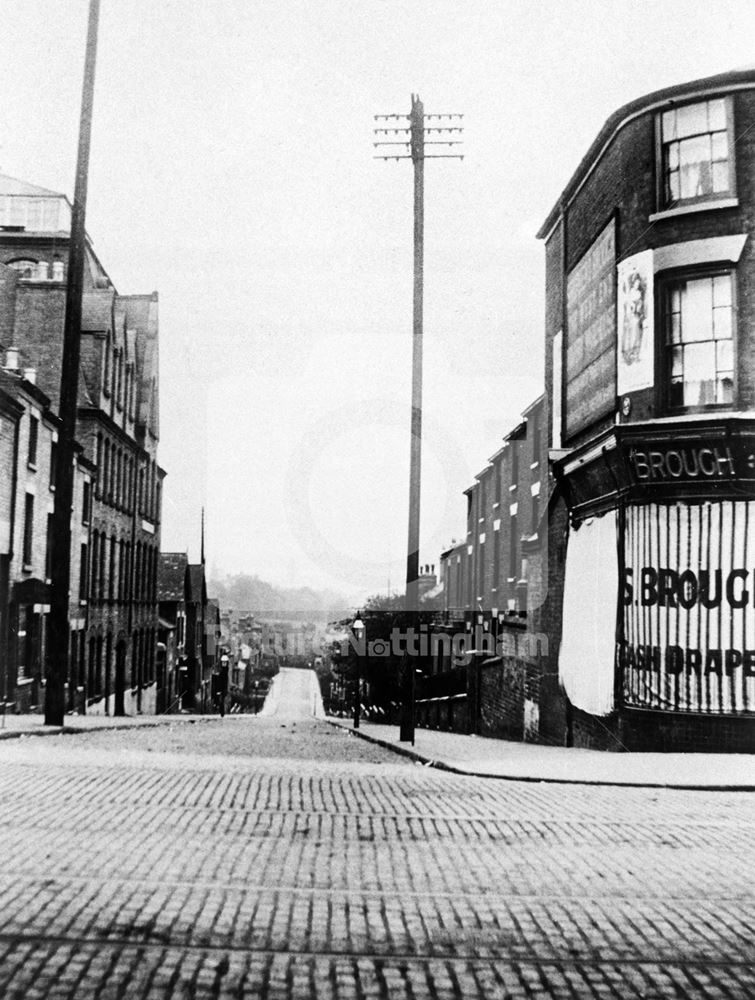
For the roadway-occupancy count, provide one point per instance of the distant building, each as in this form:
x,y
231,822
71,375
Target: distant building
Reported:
x,y
172,586
197,693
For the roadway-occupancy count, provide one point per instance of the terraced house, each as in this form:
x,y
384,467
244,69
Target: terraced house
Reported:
x,y
118,428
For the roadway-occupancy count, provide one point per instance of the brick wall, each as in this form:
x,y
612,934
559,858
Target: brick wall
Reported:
x,y
623,184
40,310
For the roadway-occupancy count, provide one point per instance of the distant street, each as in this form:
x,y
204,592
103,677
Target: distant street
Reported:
x,y
278,856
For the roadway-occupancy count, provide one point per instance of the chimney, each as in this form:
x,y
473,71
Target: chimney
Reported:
x,y
11,359
30,374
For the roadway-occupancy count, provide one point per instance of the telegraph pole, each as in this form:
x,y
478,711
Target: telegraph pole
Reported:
x,y
412,142
59,629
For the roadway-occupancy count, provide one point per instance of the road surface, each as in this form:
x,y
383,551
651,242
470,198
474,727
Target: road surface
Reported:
x,y
279,857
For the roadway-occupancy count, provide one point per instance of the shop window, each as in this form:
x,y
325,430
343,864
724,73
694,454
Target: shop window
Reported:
x,y
696,153
698,324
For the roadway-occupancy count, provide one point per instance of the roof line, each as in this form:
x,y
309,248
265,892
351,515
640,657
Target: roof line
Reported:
x,y
742,79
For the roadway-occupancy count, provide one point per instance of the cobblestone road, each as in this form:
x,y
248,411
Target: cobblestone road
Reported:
x,y
270,857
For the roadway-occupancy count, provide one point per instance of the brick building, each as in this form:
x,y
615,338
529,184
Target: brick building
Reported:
x,y
117,426
28,452
650,381
492,582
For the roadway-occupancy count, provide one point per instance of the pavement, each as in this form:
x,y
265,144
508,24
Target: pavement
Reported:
x,y
471,755
493,758
18,726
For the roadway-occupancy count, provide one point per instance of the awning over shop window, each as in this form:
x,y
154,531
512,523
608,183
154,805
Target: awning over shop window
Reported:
x,y
587,654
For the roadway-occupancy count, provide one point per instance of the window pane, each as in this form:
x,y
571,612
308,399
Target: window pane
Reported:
x,y
697,311
719,146
673,156
717,114
720,176
675,331
691,119
672,193
725,389
724,356
694,156
722,290
677,363
722,323
699,375
676,393
668,125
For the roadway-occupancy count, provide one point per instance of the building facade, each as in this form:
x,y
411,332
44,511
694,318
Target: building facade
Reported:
x,y
28,455
650,382
118,428
486,672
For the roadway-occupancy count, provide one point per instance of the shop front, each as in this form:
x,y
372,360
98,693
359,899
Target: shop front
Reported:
x,y
659,599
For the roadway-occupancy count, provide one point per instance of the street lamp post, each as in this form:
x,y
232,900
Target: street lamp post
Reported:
x,y
358,628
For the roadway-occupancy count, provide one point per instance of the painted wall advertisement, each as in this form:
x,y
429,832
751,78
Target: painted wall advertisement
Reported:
x,y
689,607
635,323
590,369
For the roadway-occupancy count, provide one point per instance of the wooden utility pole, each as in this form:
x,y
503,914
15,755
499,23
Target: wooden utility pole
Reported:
x,y
59,630
413,146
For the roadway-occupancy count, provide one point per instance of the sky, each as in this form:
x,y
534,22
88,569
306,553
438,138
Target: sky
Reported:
x,y
232,171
